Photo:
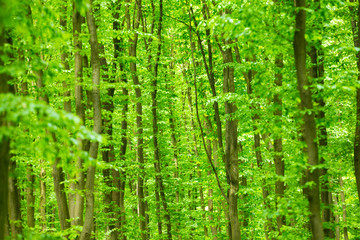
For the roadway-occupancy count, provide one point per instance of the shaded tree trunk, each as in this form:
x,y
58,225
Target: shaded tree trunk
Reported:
x,y
344,215
157,159
278,155
356,31
76,200
58,173
231,145
119,178
14,202
4,142
317,74
312,176
45,98
90,178
140,141
30,198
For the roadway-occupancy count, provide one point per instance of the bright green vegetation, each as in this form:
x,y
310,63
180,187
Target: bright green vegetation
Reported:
x,y
179,119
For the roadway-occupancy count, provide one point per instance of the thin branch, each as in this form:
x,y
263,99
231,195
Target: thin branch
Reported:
x,y
198,117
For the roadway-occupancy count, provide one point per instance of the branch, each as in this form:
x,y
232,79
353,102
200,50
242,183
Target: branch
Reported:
x,y
198,117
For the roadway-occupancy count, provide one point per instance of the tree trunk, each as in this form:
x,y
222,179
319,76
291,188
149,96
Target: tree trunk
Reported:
x,y
356,36
4,143
108,151
278,155
90,178
14,202
231,145
342,195
76,200
210,203
176,163
119,178
30,198
58,174
312,176
317,74
157,160
140,141
337,220
45,98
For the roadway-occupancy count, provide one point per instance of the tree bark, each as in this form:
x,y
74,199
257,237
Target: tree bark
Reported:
x,y
30,198
174,143
140,140
119,178
231,145
278,155
157,159
344,215
356,36
4,141
42,207
58,173
312,176
76,199
90,178
14,202
4,163
108,151
317,74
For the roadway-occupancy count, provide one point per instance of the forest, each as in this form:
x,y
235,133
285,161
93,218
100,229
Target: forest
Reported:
x,y
179,119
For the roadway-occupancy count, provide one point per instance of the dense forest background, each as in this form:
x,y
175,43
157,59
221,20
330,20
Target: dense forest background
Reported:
x,y
179,119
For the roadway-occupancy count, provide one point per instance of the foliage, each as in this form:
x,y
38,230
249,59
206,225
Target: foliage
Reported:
x,y
42,133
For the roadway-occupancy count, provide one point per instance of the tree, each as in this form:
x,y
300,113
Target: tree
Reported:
x,y
309,126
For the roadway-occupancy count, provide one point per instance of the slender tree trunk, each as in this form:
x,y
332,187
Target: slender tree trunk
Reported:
x,y
312,191
42,195
317,74
344,215
4,143
176,163
14,202
278,155
196,152
76,200
278,143
140,141
119,178
326,195
356,36
90,178
58,174
108,151
59,187
231,145
157,159
45,98
210,202
211,77
337,220
30,198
